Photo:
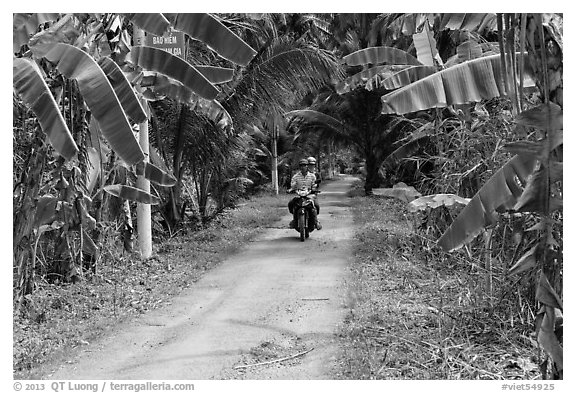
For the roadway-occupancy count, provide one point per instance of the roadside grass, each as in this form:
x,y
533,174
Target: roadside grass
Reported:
x,y
415,317
62,318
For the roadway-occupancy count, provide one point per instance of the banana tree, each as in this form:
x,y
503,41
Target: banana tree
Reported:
x,y
99,72
531,180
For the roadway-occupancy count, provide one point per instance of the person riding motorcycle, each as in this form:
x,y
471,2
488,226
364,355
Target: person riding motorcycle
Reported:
x,y
306,179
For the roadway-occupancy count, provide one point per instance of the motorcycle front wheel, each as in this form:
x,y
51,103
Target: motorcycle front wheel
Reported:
x,y
302,228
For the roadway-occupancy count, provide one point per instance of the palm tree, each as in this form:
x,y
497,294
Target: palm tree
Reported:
x,y
354,119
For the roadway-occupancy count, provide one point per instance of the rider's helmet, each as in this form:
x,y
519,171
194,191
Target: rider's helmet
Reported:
x,y
311,161
303,162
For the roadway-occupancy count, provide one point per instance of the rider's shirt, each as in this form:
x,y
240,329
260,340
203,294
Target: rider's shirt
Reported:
x,y
299,181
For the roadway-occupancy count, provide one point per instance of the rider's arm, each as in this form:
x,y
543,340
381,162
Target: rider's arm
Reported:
x,y
293,183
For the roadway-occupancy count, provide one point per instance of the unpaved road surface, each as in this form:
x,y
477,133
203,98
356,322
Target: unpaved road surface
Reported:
x,y
276,298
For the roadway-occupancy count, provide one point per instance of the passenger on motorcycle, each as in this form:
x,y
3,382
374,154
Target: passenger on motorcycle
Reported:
x,y
306,179
312,168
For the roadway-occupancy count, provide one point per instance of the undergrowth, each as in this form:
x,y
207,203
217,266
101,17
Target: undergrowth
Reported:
x,y
414,316
61,317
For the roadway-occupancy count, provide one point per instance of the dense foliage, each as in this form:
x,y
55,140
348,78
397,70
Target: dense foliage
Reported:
x,y
454,105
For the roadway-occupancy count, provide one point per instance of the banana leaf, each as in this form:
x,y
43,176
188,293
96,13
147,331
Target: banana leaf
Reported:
x,y
132,194
206,28
468,50
464,83
151,23
155,174
164,86
545,294
161,61
30,85
501,191
25,25
469,22
123,90
216,74
45,210
435,201
536,197
360,79
544,117
64,31
547,337
425,44
541,149
402,78
380,54
100,98
526,262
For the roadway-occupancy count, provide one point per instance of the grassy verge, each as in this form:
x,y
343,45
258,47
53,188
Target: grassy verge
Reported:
x,y
61,318
414,318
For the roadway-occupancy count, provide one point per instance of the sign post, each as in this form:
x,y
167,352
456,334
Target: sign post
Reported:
x,y
171,41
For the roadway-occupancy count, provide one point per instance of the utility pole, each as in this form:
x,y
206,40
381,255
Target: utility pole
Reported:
x,y
275,157
143,210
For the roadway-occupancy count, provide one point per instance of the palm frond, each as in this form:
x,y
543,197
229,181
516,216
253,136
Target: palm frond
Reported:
x,y
282,74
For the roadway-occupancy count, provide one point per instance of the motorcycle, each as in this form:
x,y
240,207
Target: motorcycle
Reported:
x,y
303,224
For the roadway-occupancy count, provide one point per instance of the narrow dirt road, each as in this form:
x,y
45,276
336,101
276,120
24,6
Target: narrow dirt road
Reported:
x,y
276,298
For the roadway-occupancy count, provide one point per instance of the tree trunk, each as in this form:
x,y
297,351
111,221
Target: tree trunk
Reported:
x,y
330,159
275,159
372,176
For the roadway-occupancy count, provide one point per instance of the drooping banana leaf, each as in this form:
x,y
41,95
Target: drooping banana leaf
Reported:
x,y
544,117
401,78
526,262
155,174
45,210
469,22
64,31
151,23
468,50
164,86
501,191
93,172
536,197
435,201
216,74
425,44
132,194
546,322
100,98
545,294
161,61
364,76
464,83
30,85
540,149
25,25
378,55
123,90
206,28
